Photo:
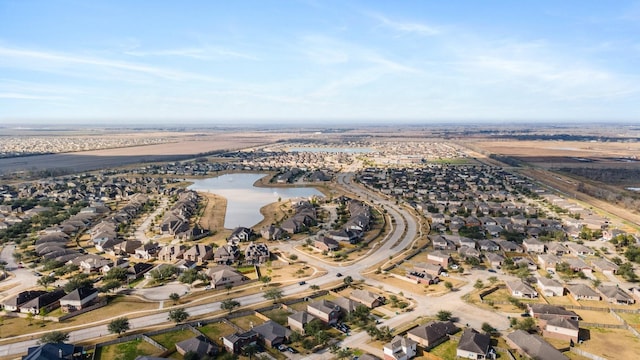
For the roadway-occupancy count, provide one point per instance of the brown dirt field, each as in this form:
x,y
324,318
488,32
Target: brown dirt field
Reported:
x,y
214,212
612,344
559,149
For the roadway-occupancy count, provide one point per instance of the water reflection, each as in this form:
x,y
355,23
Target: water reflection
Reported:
x,y
243,199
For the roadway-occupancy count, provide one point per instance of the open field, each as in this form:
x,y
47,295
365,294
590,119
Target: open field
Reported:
x,y
554,154
181,148
612,343
126,351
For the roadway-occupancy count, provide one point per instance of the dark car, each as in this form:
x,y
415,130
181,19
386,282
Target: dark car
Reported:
x,y
302,282
339,274
491,271
292,350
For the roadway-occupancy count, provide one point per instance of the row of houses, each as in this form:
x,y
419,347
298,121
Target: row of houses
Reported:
x,y
38,301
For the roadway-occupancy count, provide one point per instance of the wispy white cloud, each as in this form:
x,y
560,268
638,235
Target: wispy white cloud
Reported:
x,y
43,61
406,26
20,96
204,53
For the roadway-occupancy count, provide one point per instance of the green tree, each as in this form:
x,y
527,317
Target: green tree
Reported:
x,y
110,285
77,281
116,273
526,324
493,279
178,315
443,315
119,326
228,287
479,284
174,297
250,350
273,294
229,305
46,281
314,287
487,328
265,279
344,353
348,280
54,337
448,285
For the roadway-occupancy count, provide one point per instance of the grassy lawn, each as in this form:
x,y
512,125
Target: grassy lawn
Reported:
x,y
560,300
446,350
169,339
596,317
126,351
278,315
245,322
612,343
632,319
217,330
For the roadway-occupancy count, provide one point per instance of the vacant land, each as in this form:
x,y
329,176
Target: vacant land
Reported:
x,y
612,343
126,351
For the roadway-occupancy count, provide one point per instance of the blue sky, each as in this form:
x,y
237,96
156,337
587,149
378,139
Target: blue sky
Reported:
x,y
311,61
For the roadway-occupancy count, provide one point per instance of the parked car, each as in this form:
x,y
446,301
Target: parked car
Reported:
x,y
292,350
491,271
338,274
302,282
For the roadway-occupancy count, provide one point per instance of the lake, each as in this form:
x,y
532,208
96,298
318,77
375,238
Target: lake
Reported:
x,y
245,200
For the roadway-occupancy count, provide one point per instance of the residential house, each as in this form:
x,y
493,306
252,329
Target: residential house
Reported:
x,y
272,232
519,289
432,334
78,299
15,302
604,266
324,310
495,260
532,245
550,287
126,248
367,298
256,253
400,348
583,292
272,333
466,242
198,253
234,343
577,264
146,251
241,234
347,306
559,328
533,346
509,246
184,265
298,320
57,351
615,295
326,244
47,301
224,275
200,345
171,253
473,345
226,254
439,257
488,245
441,243
545,310
138,270
548,261
556,248
427,268
579,249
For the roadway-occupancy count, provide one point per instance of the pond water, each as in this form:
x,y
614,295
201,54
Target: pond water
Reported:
x,y
245,200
